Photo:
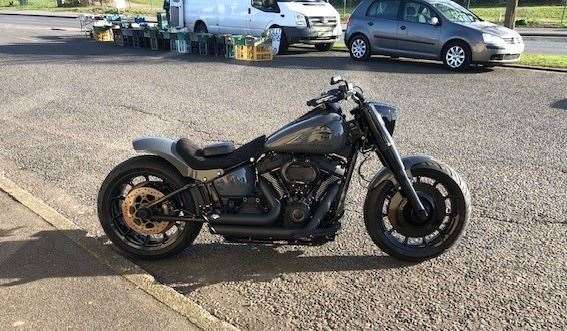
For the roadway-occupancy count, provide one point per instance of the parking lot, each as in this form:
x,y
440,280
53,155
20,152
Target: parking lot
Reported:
x,y
70,107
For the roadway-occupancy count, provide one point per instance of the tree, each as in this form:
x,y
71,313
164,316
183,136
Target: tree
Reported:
x,y
510,17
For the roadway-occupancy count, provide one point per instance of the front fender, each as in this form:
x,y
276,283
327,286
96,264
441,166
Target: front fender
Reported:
x,y
386,175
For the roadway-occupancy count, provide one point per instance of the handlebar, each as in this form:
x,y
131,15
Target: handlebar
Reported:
x,y
344,91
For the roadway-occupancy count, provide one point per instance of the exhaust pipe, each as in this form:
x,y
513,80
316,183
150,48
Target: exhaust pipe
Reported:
x,y
254,219
256,232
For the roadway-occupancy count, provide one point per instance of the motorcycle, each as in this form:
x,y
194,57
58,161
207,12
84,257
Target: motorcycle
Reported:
x,y
288,188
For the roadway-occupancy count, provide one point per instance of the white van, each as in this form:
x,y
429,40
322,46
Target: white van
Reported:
x,y
302,21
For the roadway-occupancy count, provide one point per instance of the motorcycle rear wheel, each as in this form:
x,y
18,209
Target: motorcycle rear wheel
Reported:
x,y
395,228
153,175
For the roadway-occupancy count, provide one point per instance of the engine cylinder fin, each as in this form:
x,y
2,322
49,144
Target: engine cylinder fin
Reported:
x,y
324,185
277,187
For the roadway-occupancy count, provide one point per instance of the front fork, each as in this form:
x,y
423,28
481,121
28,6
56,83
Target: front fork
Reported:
x,y
389,155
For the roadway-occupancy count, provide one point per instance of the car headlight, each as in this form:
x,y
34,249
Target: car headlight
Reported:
x,y
300,20
492,39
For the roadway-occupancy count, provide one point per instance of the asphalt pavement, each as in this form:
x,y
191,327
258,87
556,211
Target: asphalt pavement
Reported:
x,y
70,108
49,283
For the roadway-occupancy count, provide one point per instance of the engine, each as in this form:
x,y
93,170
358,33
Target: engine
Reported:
x,y
300,182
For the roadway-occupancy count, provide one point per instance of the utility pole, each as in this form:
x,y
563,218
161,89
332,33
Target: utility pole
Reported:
x,y
510,17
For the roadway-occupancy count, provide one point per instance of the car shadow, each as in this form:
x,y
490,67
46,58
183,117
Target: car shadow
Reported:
x,y
213,263
61,49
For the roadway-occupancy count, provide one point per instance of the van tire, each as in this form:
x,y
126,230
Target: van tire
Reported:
x,y
283,44
324,47
201,27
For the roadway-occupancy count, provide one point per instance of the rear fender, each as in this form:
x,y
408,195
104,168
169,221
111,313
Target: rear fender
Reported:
x,y
165,148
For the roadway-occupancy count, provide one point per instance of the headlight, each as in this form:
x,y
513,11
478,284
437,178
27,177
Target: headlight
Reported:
x,y
492,39
300,20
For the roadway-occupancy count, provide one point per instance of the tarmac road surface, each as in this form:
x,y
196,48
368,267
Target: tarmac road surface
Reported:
x,y
70,108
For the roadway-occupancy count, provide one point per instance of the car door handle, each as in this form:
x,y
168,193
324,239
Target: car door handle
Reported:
x,y
249,11
403,27
371,23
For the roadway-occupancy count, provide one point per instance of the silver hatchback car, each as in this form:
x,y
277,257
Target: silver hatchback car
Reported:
x,y
429,29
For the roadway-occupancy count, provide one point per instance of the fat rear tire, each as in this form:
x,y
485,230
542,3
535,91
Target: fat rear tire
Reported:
x,y
359,48
460,206
141,165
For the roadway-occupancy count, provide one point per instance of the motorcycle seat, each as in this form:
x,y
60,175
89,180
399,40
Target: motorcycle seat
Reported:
x,y
218,156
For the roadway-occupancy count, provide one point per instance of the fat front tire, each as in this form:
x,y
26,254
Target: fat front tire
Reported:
x,y
324,47
150,176
456,56
359,48
395,228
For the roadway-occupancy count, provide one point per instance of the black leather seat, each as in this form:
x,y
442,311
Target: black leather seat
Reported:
x,y
218,156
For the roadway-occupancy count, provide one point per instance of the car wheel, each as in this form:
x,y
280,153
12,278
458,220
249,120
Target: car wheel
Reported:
x,y
359,48
324,47
456,56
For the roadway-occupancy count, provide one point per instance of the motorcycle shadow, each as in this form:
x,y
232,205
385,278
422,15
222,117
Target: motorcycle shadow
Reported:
x,y
213,263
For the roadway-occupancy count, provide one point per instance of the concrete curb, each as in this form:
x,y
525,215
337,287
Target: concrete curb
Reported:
x,y
520,66
122,266
56,15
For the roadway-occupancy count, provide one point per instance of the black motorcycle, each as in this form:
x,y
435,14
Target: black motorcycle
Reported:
x,y
288,188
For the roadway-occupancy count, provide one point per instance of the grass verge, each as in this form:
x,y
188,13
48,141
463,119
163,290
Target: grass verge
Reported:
x,y
546,61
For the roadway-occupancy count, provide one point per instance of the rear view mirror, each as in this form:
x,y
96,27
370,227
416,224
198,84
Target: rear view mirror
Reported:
x,y
434,21
336,79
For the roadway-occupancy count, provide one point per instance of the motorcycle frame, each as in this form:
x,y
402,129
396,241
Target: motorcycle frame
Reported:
x,y
369,131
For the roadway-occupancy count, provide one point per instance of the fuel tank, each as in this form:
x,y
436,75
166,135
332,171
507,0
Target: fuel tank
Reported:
x,y
317,134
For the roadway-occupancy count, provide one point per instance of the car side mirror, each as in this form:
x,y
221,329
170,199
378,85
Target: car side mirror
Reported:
x,y
434,21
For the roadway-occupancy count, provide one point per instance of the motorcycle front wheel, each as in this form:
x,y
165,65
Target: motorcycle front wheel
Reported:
x,y
132,184
396,229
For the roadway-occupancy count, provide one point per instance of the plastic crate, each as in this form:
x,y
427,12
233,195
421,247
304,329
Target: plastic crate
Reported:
x,y
103,34
203,39
253,53
118,38
137,38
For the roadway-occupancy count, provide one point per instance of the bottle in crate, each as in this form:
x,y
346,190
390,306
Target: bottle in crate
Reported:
x,y
181,42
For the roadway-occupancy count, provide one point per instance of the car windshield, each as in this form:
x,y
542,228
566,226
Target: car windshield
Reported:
x,y
455,13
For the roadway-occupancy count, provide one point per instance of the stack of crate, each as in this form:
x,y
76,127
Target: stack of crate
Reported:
x,y
253,49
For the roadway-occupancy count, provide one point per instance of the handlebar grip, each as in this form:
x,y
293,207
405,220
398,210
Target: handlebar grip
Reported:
x,y
312,103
